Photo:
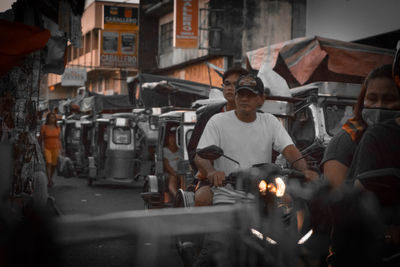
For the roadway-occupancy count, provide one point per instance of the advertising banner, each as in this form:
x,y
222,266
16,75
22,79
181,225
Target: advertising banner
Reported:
x,y
186,23
119,38
118,14
119,49
73,77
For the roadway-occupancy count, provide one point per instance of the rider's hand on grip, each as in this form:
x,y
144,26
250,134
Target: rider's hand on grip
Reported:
x,y
216,178
310,175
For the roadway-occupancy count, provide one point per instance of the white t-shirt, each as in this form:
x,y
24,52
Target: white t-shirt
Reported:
x,y
248,143
172,157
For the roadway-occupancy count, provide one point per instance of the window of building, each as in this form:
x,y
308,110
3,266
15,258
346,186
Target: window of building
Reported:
x,y
166,35
87,43
69,51
95,42
80,49
75,52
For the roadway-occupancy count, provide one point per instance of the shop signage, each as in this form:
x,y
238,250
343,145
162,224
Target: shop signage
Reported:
x,y
186,23
73,77
119,39
117,14
119,49
118,61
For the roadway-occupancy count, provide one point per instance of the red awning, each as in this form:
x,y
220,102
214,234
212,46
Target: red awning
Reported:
x,y
19,40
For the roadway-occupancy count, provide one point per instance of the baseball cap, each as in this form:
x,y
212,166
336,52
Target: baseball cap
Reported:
x,y
251,83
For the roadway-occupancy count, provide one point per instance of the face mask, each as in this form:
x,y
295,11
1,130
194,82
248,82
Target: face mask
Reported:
x,y
374,116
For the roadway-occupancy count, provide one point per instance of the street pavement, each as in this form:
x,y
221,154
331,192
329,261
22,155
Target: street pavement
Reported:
x,y
74,196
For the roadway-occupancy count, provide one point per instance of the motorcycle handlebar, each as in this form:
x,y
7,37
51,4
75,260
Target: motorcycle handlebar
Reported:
x,y
232,177
298,174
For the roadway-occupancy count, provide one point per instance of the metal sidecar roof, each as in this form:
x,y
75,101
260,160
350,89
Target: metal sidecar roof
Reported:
x,y
124,115
329,89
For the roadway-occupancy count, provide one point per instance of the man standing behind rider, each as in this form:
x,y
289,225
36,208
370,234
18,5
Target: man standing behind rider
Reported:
x,y
203,193
246,135
228,86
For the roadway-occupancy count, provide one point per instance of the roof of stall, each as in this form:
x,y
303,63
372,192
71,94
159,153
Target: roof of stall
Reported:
x,y
102,103
306,60
158,91
169,84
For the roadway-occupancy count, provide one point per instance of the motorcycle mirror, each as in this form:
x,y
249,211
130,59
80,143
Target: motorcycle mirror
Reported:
x,y
212,152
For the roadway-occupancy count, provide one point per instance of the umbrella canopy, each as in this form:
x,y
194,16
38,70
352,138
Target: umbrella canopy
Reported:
x,y
320,59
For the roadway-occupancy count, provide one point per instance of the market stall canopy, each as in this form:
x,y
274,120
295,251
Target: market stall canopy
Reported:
x,y
109,103
306,60
155,91
321,59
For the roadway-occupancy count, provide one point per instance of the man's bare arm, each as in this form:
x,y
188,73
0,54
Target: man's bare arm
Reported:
x,y
205,166
293,155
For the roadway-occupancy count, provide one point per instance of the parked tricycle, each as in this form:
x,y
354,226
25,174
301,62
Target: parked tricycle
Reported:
x,y
155,192
76,135
113,144
325,107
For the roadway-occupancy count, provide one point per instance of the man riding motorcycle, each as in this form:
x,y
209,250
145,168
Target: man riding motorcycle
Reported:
x,y
246,136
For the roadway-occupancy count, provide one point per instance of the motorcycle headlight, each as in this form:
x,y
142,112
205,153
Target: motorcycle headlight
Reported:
x,y
262,187
278,187
305,237
262,237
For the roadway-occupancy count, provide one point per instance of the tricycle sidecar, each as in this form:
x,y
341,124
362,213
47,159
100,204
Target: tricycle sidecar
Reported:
x,y
155,192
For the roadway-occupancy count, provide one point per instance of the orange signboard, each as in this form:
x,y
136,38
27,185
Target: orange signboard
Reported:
x,y
186,23
119,39
119,49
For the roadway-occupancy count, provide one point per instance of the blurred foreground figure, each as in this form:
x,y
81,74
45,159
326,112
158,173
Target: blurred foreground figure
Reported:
x,y
27,241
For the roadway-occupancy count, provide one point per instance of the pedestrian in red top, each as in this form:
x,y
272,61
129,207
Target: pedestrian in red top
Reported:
x,y
51,145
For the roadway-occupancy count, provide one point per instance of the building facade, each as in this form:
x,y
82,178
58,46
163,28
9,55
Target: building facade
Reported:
x,y
108,54
187,39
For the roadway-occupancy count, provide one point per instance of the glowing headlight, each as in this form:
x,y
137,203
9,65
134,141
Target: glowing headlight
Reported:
x,y
257,234
270,240
280,187
262,186
305,237
261,237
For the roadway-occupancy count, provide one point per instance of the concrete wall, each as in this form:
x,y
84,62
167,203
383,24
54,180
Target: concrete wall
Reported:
x,y
251,24
148,40
243,25
350,20
266,23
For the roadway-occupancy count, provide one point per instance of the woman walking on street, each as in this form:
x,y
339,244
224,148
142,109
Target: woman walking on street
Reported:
x,y
51,145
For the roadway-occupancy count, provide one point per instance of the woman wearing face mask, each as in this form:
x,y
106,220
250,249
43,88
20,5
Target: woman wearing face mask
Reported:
x,y
378,101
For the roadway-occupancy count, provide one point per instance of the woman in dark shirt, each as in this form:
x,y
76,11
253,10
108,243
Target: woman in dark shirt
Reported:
x,y
378,92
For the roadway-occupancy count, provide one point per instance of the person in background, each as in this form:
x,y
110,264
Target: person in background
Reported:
x,y
170,160
50,143
203,191
378,92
